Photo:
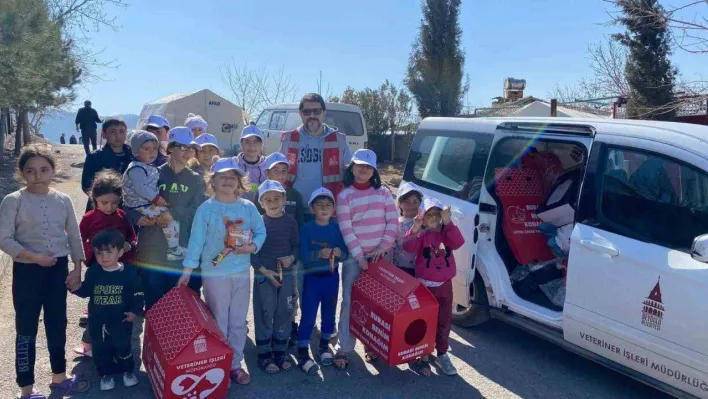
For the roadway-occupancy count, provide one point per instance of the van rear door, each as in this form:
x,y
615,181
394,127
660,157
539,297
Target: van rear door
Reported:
x,y
448,162
635,294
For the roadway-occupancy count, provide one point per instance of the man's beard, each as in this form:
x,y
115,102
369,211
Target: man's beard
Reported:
x,y
313,125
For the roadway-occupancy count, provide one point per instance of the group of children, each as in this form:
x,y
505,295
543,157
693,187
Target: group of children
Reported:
x,y
260,218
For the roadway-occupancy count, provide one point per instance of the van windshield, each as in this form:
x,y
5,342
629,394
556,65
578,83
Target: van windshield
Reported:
x,y
346,122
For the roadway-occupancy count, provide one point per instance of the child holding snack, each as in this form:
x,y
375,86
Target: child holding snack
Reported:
x,y
409,201
435,268
39,231
273,285
115,299
225,264
251,159
321,248
368,219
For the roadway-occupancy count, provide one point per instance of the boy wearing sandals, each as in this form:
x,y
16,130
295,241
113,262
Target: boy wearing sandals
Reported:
x,y
322,247
273,284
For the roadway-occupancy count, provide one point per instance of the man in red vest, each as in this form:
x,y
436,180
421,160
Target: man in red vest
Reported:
x,y
318,154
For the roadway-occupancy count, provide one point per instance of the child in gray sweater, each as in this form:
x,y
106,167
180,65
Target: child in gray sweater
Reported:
x,y
140,190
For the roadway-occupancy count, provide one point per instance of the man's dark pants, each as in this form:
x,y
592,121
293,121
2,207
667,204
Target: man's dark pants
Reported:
x,y
86,135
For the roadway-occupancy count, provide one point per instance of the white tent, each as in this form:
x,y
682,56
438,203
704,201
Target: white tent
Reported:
x,y
225,119
542,108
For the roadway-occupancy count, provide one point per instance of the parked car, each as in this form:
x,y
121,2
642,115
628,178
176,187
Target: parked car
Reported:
x,y
276,119
589,233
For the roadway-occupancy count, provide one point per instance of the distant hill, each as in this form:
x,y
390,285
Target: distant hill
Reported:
x,y
63,122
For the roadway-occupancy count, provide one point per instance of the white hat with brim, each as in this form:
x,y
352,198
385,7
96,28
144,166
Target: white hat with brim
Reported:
x,y
226,164
408,187
207,139
364,157
321,192
251,130
430,203
274,159
182,135
270,185
157,121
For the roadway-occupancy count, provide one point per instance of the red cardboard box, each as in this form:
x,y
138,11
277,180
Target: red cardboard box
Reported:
x,y
184,352
393,314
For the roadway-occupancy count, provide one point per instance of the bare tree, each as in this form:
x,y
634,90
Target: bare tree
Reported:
x,y
398,107
686,21
254,89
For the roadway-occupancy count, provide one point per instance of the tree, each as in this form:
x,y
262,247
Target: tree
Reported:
x,y
398,106
650,75
255,89
435,68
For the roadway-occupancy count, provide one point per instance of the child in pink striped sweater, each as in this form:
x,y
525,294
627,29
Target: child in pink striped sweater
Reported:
x,y
368,218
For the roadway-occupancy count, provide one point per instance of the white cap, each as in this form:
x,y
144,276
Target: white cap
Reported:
x,y
226,164
274,159
364,157
270,185
182,135
408,187
207,139
251,130
157,121
321,192
430,203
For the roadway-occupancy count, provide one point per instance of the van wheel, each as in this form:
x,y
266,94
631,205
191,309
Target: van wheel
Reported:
x,y
474,314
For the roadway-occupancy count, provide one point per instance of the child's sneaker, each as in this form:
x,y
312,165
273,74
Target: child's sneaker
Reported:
x,y
443,361
107,383
176,253
83,320
84,350
130,380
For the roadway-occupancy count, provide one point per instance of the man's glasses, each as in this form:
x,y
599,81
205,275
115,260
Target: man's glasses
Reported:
x,y
311,111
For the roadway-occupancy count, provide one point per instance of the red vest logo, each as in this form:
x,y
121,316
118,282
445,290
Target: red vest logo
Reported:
x,y
653,308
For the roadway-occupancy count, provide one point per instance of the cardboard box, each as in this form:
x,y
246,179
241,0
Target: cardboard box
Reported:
x,y
393,314
184,352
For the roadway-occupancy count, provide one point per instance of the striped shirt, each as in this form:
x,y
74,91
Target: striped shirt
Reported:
x,y
368,219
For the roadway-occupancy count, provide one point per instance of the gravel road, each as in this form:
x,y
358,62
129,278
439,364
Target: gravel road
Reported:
x,y
494,361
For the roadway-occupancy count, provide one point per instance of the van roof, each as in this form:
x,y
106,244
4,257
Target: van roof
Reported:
x,y
330,106
687,136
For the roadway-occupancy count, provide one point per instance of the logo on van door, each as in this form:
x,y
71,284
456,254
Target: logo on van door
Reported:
x,y
653,308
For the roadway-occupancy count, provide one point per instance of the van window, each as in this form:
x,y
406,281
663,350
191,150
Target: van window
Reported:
x,y
349,123
277,121
264,119
449,162
293,121
653,198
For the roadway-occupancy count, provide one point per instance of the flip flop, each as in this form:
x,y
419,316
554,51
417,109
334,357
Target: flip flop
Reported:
x,y
240,376
71,385
309,367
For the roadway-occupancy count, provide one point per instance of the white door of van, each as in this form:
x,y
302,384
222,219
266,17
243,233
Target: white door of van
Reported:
x,y
272,122
635,294
449,165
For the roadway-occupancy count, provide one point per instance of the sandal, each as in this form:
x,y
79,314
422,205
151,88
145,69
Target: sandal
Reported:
x,y
265,365
341,361
284,362
309,366
326,357
33,395
421,367
71,385
240,376
370,356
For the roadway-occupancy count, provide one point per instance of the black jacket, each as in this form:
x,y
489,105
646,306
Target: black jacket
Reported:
x,y
87,118
104,158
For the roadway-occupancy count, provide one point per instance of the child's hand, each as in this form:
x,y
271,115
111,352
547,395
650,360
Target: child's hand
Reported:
x,y
337,253
324,253
161,202
129,317
270,275
184,278
245,249
376,254
73,280
417,223
45,260
363,263
146,221
127,247
164,219
446,214
287,261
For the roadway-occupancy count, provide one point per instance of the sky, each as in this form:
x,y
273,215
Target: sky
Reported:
x,y
171,46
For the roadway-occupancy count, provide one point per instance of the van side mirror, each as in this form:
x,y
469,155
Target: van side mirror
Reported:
x,y
699,249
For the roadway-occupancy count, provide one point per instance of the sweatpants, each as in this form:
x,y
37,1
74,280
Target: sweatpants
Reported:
x,y
350,271
111,345
35,288
298,281
272,314
443,294
171,231
227,297
318,290
157,283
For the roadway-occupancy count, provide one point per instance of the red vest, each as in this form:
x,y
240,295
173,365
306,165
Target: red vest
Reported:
x,y
332,167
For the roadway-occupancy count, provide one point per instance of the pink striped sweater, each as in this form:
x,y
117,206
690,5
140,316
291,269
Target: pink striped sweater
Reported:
x,y
368,219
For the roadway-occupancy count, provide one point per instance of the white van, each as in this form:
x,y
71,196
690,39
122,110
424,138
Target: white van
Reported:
x,y
276,119
627,284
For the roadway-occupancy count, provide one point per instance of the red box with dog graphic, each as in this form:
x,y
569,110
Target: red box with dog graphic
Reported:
x,y
393,314
184,352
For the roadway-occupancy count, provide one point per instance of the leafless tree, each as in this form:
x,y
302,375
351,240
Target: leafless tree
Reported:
x,y
254,89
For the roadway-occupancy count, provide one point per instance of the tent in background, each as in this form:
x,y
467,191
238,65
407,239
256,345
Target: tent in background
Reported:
x,y
225,119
